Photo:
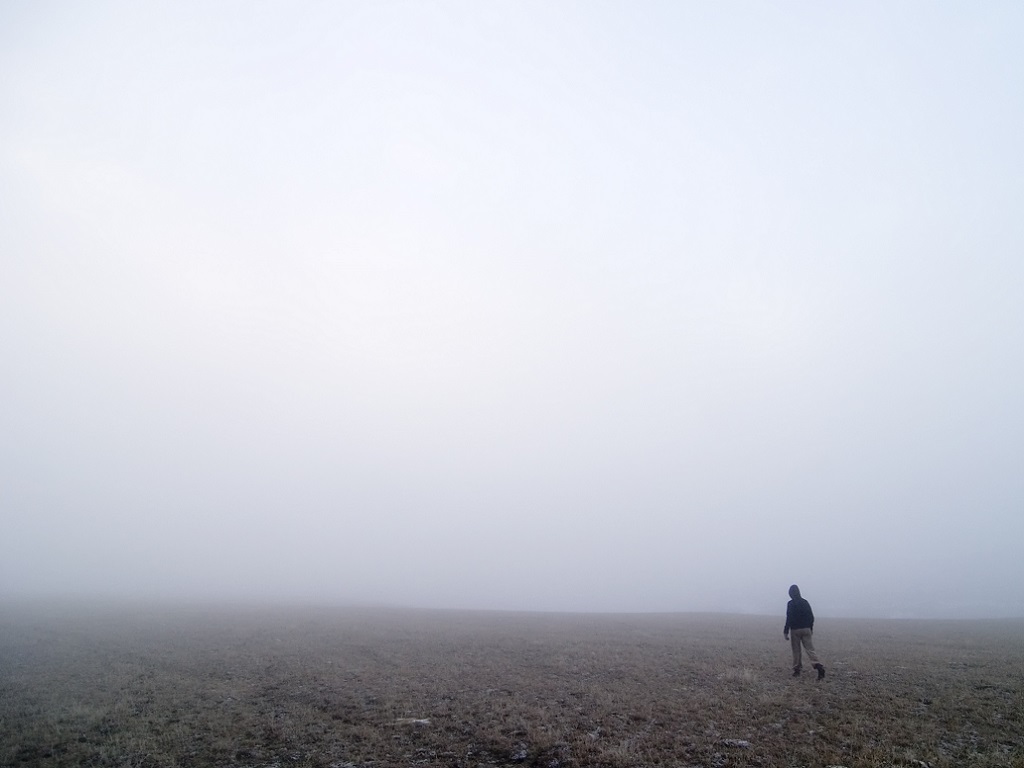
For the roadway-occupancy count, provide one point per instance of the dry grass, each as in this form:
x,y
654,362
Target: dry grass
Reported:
x,y
342,688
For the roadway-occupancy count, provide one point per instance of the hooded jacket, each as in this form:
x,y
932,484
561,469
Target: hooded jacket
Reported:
x,y
798,612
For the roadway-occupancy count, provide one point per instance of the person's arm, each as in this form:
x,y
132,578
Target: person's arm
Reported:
x,y
789,608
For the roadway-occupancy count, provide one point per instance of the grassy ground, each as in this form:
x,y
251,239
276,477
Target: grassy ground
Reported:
x,y
122,686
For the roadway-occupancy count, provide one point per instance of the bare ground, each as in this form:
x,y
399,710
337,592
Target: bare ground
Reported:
x,y
123,685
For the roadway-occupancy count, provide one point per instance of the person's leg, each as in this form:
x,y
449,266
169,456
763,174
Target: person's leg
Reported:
x,y
794,640
805,638
811,653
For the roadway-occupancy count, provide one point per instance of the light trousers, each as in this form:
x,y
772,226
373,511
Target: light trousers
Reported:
x,y
798,638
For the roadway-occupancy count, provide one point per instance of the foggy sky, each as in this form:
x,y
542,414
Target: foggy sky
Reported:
x,y
518,305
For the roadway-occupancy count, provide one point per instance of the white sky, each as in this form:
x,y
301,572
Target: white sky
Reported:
x,y
572,306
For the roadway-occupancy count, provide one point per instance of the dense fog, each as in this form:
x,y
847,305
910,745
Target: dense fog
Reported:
x,y
573,306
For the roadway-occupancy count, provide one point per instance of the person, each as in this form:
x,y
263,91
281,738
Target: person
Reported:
x,y
800,623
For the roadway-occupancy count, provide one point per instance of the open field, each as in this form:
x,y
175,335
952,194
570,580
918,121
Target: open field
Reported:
x,y
131,686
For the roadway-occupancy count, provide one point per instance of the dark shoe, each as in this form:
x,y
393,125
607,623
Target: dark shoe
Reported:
x,y
821,670
796,671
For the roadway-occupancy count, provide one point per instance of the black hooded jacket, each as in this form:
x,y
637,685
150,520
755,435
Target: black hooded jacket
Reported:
x,y
798,613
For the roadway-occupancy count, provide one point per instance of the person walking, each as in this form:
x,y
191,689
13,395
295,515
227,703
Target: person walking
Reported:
x,y
800,623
